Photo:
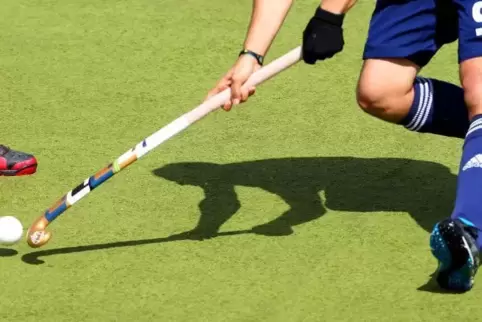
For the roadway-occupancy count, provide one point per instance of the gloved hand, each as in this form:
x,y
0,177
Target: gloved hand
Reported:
x,y
323,36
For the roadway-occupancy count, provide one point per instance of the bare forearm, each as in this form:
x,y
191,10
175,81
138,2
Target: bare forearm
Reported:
x,y
337,6
266,20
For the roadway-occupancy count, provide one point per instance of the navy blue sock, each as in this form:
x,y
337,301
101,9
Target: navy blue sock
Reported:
x,y
438,108
468,202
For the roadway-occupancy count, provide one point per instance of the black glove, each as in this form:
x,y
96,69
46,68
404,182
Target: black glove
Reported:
x,y
323,36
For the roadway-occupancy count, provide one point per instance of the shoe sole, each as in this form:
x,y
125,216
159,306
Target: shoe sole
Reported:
x,y
457,265
29,170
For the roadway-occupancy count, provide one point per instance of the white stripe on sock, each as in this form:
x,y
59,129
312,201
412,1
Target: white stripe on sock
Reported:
x,y
420,103
474,124
474,128
422,106
417,115
428,106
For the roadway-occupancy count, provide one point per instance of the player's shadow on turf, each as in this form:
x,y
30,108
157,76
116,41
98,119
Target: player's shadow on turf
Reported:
x,y
423,189
7,252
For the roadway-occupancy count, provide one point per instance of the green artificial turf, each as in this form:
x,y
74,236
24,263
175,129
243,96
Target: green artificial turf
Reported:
x,y
83,81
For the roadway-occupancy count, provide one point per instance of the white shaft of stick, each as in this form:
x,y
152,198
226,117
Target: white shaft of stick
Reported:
x,y
257,78
215,102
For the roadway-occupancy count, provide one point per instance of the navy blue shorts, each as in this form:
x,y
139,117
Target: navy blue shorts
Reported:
x,y
417,29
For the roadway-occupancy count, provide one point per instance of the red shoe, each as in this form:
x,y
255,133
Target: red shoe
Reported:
x,y
16,163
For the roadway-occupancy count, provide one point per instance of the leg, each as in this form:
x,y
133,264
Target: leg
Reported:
x,y
219,204
15,163
395,47
456,241
305,206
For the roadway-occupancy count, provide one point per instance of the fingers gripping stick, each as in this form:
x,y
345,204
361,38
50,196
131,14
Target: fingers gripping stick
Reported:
x,y
37,235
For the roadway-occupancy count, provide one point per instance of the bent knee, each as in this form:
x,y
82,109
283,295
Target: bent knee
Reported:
x,y
385,88
388,103
371,98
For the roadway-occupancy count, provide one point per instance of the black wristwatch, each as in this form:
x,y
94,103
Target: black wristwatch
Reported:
x,y
259,58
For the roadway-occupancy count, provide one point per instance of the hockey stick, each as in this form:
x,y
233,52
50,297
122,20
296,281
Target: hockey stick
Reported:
x,y
37,236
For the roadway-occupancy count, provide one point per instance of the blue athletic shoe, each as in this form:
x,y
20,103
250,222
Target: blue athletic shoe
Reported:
x,y
453,243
